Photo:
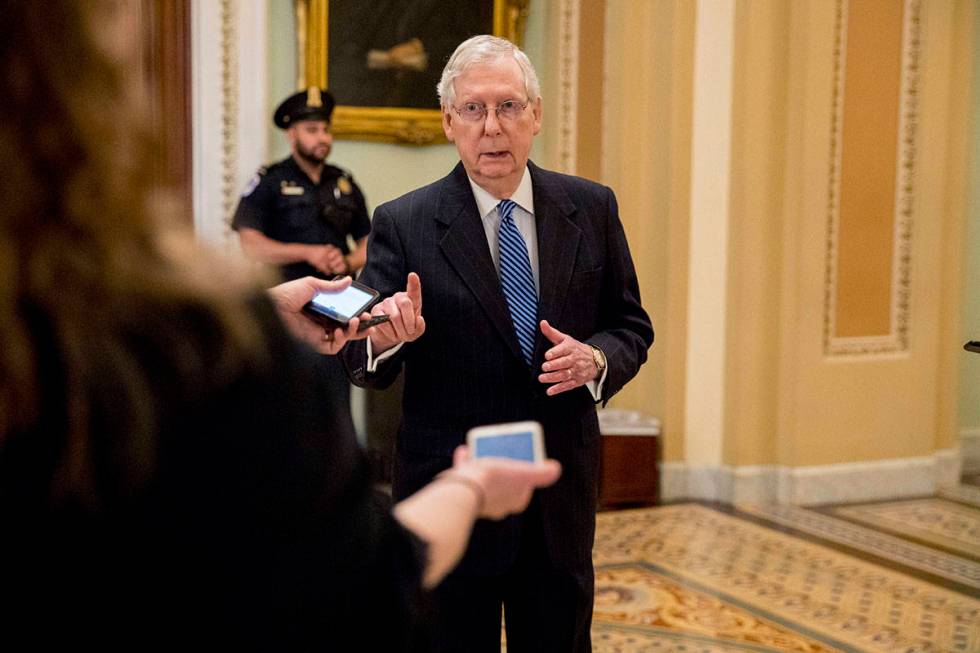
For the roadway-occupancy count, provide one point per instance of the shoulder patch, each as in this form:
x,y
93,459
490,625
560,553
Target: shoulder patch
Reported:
x,y
253,183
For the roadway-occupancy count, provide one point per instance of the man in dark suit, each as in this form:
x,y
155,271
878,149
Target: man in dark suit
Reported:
x,y
521,303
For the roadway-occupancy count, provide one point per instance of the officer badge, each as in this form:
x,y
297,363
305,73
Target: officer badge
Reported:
x,y
287,188
344,185
313,98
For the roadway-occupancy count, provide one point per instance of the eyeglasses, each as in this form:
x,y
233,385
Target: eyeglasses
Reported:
x,y
476,112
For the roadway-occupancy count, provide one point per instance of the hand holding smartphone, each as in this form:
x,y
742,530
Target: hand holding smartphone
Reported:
x,y
335,309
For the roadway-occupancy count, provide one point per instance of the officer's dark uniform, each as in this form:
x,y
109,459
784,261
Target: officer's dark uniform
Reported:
x,y
283,203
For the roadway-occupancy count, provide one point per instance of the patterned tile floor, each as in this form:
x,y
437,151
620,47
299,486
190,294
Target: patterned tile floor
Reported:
x,y
698,578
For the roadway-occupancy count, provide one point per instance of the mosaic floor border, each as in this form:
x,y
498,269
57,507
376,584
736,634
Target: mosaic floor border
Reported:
x,y
936,522
968,494
891,548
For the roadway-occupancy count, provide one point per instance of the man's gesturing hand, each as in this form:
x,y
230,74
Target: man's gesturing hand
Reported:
x,y
568,364
405,322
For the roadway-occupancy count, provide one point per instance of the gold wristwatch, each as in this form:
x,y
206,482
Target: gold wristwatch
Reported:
x,y
599,359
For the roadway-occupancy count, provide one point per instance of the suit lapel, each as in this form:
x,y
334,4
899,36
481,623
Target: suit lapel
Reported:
x,y
465,245
558,241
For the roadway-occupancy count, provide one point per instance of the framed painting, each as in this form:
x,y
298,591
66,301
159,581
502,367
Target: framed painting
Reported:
x,y
382,59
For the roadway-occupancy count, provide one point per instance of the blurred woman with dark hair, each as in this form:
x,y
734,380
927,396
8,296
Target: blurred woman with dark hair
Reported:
x,y
165,478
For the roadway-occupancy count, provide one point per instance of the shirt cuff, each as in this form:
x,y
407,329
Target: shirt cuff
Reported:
x,y
595,387
372,362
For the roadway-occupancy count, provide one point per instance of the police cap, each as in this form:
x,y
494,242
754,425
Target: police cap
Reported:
x,y
312,104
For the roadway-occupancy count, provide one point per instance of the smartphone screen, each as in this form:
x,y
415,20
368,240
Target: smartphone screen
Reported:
x,y
518,446
342,306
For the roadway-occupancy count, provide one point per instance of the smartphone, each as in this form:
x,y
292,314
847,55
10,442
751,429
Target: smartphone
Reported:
x,y
516,440
375,320
335,309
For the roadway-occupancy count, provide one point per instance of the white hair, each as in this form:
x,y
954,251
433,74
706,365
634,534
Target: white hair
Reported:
x,y
484,49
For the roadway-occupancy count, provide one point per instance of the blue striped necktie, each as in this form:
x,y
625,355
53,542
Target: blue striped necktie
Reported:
x,y
517,280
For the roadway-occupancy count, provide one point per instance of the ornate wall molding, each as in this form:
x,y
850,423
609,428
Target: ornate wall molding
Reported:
x,y
569,12
229,120
897,340
229,110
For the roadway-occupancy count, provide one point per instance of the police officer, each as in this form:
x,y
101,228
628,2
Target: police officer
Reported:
x,y
298,214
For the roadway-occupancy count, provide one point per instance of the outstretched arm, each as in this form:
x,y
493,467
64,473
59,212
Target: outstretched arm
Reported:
x,y
444,511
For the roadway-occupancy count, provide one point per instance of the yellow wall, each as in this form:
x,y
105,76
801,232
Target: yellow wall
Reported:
x,y
759,120
964,48
591,89
867,407
969,364
788,399
869,112
646,161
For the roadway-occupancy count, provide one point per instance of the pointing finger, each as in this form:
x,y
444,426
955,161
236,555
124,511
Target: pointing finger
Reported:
x,y
414,291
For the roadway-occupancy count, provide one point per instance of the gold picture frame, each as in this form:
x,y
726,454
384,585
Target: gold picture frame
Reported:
x,y
408,125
